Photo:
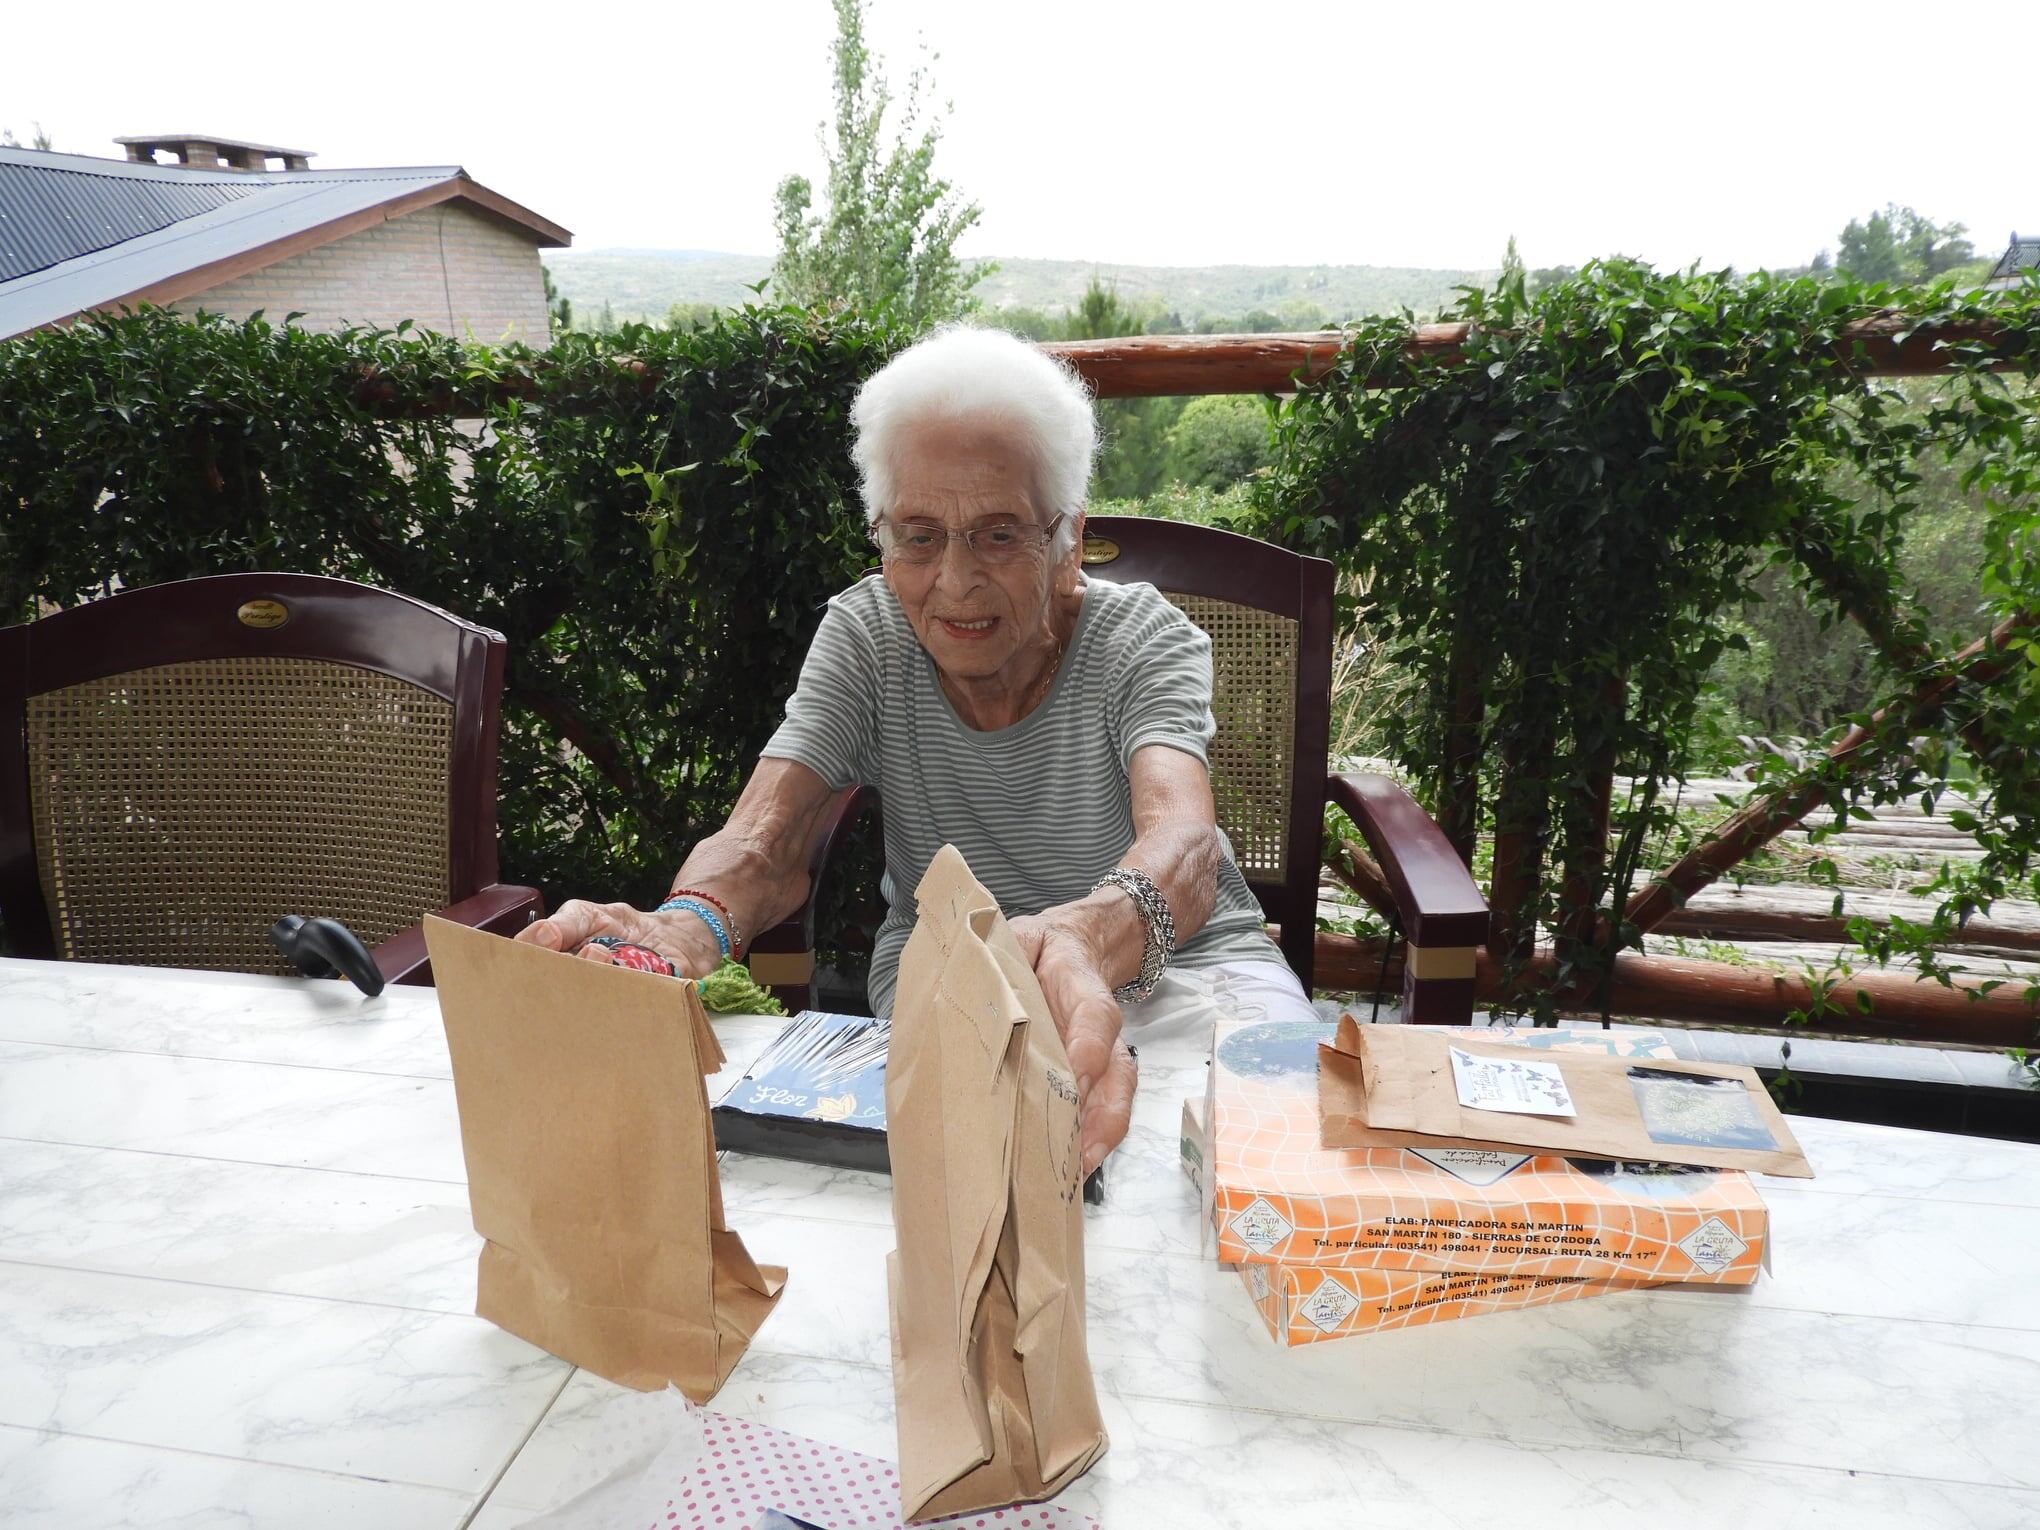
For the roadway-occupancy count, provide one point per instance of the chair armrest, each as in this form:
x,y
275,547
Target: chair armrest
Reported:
x,y
782,958
500,909
1442,913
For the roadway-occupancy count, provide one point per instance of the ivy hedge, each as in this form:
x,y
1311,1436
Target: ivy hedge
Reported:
x,y
1562,519
653,520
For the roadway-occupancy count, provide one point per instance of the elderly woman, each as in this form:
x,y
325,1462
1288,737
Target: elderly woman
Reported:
x,y
1052,728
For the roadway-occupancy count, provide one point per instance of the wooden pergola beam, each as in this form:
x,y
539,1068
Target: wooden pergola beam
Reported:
x,y
1173,366
1157,366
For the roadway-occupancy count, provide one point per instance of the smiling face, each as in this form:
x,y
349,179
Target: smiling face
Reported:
x,y
992,628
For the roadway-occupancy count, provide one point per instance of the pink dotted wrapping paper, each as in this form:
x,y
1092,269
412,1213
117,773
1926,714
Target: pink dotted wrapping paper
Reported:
x,y
746,1469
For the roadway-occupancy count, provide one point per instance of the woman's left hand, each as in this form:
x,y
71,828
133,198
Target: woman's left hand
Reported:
x,y
1072,980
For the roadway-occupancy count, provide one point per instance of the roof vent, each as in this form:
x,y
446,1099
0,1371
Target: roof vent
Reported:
x,y
202,152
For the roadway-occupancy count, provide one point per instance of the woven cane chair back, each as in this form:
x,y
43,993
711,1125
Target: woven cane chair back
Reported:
x,y
286,744
178,810
1267,612
1253,754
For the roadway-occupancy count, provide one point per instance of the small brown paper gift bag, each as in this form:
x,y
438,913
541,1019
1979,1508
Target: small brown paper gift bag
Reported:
x,y
990,1371
591,1168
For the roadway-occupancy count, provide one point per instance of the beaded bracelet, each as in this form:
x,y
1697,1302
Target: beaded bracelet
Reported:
x,y
730,919
1158,929
706,915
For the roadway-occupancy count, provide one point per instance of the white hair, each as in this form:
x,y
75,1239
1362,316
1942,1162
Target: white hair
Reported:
x,y
961,373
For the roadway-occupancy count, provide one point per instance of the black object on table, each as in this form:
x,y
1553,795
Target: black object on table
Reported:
x,y
324,948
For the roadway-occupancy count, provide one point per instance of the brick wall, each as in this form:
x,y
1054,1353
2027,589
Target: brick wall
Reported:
x,y
446,268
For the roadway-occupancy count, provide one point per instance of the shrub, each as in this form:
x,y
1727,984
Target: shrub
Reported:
x,y
652,519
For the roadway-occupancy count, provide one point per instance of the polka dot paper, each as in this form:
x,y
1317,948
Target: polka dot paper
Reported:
x,y
653,1461
747,1469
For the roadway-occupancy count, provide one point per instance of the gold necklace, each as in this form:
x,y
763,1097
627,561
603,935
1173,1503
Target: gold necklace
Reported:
x,y
1038,692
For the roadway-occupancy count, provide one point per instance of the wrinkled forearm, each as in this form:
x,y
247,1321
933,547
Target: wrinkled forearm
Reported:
x,y
1176,843
757,862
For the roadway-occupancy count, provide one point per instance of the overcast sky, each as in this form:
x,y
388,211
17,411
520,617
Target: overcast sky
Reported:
x,y
1292,132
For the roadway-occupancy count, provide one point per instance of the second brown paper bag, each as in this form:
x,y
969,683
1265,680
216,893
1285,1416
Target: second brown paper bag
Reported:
x,y
591,1166
993,1380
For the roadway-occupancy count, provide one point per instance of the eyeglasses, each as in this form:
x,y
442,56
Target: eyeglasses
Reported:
x,y
999,542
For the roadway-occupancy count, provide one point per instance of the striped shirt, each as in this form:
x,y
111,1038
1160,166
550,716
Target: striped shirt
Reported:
x,y
1040,809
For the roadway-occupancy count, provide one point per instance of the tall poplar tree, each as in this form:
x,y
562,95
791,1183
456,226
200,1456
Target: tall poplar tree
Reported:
x,y
887,236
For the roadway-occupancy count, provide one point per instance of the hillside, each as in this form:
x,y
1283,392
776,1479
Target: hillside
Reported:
x,y
643,284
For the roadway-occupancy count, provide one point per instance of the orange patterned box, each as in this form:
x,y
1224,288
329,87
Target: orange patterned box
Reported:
x,y
1277,1198
1307,1304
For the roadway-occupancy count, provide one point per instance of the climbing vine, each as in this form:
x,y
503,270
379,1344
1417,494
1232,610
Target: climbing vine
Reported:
x,y
1561,518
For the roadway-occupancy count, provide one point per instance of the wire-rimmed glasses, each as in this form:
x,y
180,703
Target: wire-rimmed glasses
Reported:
x,y
1002,541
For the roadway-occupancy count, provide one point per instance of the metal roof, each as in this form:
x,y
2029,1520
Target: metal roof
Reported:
x,y
78,233
2024,255
50,216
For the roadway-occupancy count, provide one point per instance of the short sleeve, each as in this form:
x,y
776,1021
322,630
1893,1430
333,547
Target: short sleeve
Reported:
x,y
1166,683
831,721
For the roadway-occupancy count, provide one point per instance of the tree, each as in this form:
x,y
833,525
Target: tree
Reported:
x,y
37,139
888,238
1218,440
1868,251
1512,263
559,309
1135,430
691,315
1898,245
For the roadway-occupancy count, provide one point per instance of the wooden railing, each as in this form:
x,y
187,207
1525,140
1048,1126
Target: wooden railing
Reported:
x,y
1159,366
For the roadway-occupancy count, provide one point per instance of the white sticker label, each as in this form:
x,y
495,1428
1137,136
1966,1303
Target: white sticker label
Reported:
x,y
1713,1246
1477,1166
1260,1226
1327,1308
1519,1086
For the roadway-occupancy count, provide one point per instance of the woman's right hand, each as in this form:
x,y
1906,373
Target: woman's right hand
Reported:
x,y
684,939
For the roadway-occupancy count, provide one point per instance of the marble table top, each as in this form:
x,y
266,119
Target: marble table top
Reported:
x,y
237,1282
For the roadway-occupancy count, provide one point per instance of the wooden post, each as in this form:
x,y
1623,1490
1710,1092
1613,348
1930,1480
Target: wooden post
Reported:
x,y
1585,852
1459,789
1519,850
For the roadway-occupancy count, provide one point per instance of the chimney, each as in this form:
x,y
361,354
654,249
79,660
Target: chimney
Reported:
x,y
197,151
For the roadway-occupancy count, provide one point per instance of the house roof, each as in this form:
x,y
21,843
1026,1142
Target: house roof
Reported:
x,y
78,233
2024,255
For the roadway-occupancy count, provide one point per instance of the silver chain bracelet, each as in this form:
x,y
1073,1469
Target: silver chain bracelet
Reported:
x,y
1157,925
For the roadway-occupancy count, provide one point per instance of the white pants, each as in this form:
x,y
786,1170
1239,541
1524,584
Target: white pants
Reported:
x,y
1187,1000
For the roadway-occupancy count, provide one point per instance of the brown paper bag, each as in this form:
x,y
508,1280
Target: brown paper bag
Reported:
x,y
1397,1086
591,1168
993,1382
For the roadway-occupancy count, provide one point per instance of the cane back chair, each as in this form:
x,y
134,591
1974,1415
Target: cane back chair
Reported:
x,y
1268,612
182,765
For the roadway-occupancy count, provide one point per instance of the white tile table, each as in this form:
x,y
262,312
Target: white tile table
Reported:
x,y
237,1274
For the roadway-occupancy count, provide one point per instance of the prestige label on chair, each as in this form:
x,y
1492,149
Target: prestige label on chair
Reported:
x,y
1100,549
263,613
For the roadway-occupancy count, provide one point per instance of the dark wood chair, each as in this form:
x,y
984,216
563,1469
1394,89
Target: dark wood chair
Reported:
x,y
182,765
1268,613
